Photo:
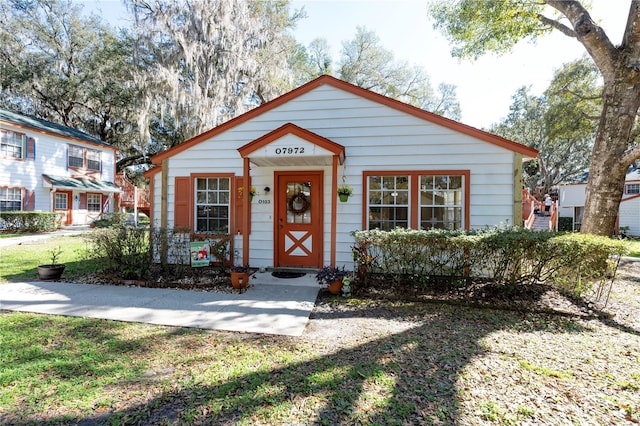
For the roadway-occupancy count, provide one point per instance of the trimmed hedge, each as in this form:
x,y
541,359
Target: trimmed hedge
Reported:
x,y
572,262
21,221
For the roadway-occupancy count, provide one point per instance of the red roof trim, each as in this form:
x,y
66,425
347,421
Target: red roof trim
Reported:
x,y
358,91
292,129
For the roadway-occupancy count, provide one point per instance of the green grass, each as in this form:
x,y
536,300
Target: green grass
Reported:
x,y
433,364
20,262
634,248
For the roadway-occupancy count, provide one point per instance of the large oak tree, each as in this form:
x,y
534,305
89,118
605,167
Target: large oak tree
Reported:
x,y
475,27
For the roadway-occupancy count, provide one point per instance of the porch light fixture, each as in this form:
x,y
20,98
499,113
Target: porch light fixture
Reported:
x,y
267,189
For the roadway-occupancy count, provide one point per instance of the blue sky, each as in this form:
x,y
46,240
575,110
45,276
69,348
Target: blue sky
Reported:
x,y
484,87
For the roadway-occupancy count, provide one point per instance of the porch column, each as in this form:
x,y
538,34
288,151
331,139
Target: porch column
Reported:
x,y
246,215
334,208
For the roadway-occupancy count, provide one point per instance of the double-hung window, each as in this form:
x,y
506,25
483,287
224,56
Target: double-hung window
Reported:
x,y
633,188
93,160
94,203
76,157
388,202
416,200
212,204
441,202
10,199
84,158
11,144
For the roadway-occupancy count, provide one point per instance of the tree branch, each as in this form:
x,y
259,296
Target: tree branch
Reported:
x,y
557,25
630,155
592,37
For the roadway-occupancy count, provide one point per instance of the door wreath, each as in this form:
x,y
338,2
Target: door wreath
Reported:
x,y
299,203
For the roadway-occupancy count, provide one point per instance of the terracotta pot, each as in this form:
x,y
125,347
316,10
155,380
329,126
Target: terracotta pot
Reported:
x,y
239,279
335,287
50,272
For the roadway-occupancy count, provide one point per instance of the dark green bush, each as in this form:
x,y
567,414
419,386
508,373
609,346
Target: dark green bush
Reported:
x,y
507,256
565,224
125,249
20,221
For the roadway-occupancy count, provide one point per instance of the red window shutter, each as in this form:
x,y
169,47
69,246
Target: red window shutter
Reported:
x,y
31,149
29,201
105,203
181,212
83,201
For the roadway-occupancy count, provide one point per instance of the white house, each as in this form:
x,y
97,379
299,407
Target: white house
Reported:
x,y
572,197
49,167
407,168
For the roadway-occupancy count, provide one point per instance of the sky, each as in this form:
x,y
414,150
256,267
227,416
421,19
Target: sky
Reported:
x,y
484,87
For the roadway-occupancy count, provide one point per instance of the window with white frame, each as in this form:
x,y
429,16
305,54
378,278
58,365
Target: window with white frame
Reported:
x,y
94,203
11,144
388,202
76,156
212,204
61,201
10,199
93,160
441,202
633,188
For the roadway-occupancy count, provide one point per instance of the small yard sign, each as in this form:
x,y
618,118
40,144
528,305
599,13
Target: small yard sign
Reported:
x,y
200,254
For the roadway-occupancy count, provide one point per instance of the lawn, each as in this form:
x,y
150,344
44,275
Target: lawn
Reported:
x,y
20,262
358,362
634,248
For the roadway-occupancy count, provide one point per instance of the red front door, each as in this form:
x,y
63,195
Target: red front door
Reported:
x,y
299,211
62,204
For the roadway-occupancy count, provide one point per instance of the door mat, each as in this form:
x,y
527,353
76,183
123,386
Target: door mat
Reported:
x,y
287,274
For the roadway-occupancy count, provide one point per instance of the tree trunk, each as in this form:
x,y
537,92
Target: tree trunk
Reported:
x,y
607,171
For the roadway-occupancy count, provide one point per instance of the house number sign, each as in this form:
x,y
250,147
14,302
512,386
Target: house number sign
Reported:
x,y
289,150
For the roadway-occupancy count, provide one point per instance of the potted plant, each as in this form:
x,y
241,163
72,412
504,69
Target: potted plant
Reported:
x,y
344,191
331,278
240,276
252,192
53,270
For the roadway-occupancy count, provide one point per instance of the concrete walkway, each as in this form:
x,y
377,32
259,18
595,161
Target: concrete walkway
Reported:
x,y
270,305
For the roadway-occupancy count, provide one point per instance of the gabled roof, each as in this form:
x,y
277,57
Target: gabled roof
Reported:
x,y
358,91
44,126
292,129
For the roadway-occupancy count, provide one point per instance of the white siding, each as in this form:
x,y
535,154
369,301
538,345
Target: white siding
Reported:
x,y
630,215
376,138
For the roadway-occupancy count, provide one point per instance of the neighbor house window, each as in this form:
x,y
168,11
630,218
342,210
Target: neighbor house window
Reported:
x,y
61,201
388,202
94,203
78,154
10,199
417,200
11,144
76,157
441,202
633,188
212,202
93,160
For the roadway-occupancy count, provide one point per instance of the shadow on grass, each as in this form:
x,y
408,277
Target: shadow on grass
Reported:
x,y
412,376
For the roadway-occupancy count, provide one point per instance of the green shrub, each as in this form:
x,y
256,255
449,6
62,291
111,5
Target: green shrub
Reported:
x,y
20,221
565,224
126,250
572,262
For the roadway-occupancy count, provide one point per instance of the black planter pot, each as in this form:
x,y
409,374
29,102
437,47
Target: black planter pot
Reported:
x,y
50,272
